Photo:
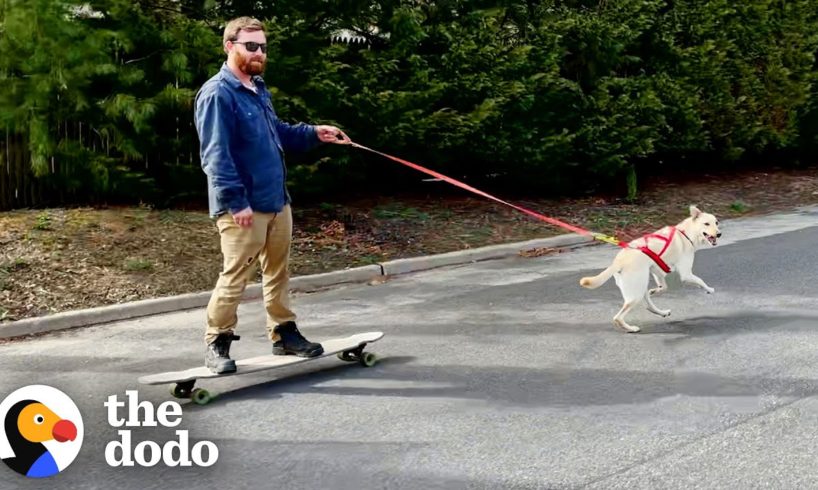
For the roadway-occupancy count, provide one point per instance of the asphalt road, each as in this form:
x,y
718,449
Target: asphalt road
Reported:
x,y
501,374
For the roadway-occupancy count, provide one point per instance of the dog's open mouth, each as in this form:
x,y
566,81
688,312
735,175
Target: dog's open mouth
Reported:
x,y
710,238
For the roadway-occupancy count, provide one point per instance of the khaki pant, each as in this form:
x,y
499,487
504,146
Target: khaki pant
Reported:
x,y
266,242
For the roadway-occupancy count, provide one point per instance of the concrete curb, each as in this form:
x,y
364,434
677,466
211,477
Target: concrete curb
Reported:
x,y
403,266
111,313
318,281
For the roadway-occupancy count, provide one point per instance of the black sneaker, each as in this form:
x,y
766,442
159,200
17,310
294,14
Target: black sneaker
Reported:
x,y
292,342
217,355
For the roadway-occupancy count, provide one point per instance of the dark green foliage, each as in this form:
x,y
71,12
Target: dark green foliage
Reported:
x,y
550,97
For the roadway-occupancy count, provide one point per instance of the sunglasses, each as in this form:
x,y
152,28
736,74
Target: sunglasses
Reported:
x,y
253,46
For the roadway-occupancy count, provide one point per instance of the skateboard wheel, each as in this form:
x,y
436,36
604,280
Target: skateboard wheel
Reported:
x,y
200,396
368,359
181,390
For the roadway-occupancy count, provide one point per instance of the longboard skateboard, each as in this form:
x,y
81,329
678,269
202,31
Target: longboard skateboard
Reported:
x,y
350,349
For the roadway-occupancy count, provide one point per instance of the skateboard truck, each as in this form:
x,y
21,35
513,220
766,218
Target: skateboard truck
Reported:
x,y
185,389
367,359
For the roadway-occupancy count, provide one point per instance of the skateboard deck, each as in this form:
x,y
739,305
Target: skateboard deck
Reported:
x,y
350,349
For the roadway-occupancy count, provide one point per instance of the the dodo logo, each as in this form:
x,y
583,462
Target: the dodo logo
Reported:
x,y
41,431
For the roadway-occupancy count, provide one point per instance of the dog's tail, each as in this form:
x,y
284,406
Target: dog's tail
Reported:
x,y
599,279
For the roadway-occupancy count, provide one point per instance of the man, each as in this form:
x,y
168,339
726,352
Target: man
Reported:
x,y
242,152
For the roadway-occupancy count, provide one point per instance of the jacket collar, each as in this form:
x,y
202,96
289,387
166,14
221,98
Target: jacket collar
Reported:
x,y
234,82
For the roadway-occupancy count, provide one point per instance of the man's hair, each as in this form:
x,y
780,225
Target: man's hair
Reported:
x,y
232,29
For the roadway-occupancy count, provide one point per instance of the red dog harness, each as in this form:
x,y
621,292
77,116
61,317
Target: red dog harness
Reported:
x,y
657,257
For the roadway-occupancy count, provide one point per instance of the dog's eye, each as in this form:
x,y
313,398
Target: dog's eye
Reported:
x,y
707,224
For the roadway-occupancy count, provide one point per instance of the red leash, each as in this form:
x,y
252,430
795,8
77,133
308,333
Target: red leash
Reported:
x,y
596,236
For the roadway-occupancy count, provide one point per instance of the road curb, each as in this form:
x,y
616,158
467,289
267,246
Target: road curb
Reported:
x,y
403,266
125,311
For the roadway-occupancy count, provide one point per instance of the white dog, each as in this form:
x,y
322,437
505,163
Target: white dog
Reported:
x,y
675,246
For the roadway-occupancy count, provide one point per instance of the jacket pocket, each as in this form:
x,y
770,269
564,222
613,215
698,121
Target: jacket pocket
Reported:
x,y
249,124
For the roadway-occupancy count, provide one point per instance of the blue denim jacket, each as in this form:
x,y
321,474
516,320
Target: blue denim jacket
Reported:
x,y
242,145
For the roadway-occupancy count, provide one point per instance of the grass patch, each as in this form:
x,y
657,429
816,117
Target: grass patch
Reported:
x,y
138,265
739,207
43,222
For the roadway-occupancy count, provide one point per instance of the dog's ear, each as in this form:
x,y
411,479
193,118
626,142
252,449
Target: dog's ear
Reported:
x,y
695,212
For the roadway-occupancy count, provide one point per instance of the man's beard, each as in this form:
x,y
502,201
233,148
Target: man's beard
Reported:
x,y
250,66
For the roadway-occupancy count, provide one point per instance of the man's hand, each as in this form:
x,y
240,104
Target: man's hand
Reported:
x,y
330,134
244,218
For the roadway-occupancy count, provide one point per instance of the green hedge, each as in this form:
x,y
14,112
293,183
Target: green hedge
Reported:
x,y
537,97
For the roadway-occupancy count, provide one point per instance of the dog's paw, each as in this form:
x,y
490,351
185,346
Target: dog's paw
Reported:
x,y
709,290
621,325
655,291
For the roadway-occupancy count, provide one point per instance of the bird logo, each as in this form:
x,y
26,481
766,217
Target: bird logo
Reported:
x,y
42,431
